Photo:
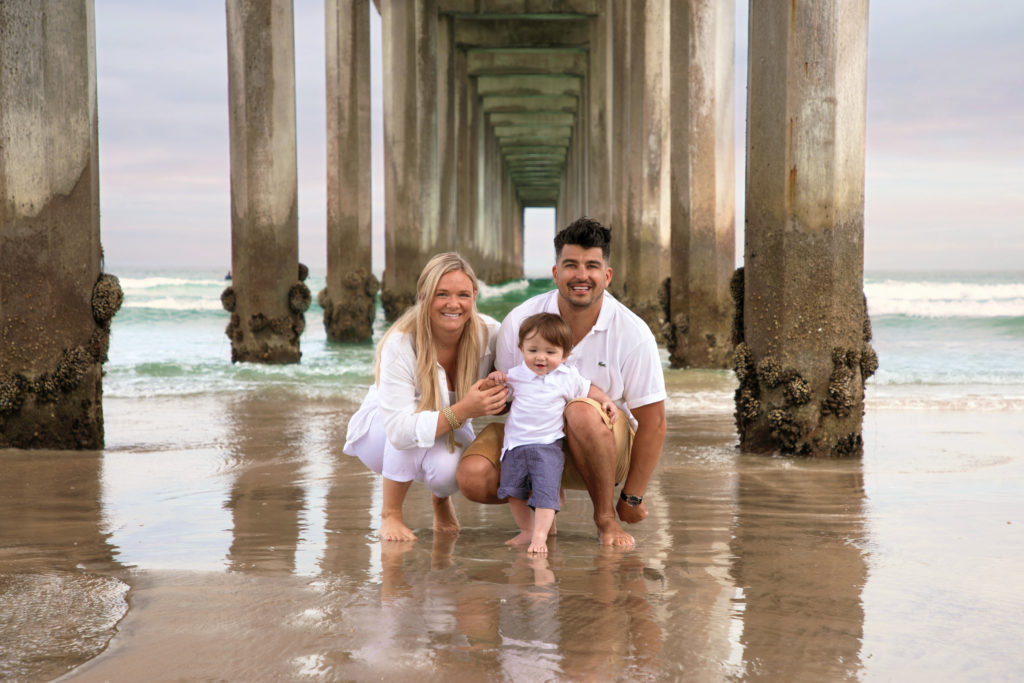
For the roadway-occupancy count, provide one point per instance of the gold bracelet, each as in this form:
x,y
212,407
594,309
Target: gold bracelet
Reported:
x,y
452,420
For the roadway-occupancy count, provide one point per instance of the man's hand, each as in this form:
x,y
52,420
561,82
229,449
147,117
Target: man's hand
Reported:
x,y
610,409
630,514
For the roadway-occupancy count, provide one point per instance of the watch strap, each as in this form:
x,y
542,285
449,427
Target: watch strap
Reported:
x,y
632,501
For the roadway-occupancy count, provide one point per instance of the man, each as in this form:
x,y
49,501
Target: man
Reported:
x,y
615,350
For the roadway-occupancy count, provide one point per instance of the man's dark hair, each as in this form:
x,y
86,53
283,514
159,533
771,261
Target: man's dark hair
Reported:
x,y
584,232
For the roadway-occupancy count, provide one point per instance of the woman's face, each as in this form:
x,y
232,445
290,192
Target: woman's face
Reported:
x,y
452,303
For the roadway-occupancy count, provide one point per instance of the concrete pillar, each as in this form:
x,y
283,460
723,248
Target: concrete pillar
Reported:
x,y
619,26
349,298
55,301
475,155
448,150
803,354
600,193
465,112
650,234
267,297
411,178
702,104
629,287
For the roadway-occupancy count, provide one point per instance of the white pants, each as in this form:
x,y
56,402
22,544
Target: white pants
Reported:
x,y
433,466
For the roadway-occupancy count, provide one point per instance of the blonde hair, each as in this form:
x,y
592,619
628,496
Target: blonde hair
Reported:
x,y
416,321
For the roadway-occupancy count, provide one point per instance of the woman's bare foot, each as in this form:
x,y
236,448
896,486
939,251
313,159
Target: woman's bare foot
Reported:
x,y
445,521
541,547
392,528
522,538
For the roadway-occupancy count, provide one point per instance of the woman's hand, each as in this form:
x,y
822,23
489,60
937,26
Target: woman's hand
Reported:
x,y
485,397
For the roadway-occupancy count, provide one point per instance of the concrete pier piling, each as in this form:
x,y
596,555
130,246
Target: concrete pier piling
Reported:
x,y
268,297
702,197
411,183
349,298
55,301
803,349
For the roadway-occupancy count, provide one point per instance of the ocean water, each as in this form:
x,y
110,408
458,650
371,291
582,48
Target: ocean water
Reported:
x,y
945,341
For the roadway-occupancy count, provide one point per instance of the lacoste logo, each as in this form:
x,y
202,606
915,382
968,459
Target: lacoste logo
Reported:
x,y
602,363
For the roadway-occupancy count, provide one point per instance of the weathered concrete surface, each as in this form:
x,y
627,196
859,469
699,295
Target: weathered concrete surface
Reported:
x,y
803,352
267,298
349,297
650,216
55,306
411,187
702,102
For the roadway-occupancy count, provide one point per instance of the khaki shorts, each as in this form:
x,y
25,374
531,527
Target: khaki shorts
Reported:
x,y
489,442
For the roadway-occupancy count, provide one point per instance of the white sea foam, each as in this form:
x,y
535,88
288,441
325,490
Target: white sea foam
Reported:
x,y
169,303
491,291
935,299
128,283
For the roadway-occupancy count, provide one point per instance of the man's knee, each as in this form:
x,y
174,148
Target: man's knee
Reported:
x,y
477,478
583,420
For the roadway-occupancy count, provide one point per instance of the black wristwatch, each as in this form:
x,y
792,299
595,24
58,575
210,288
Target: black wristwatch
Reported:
x,y
631,501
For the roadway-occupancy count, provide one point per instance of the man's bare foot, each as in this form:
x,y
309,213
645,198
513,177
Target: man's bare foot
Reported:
x,y
445,521
393,529
522,538
541,547
611,533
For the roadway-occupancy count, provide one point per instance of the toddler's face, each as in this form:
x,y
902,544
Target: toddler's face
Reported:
x,y
540,355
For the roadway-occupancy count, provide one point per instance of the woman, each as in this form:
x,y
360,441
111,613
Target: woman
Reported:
x,y
430,366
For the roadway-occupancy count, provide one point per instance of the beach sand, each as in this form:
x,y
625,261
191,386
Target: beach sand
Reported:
x,y
224,537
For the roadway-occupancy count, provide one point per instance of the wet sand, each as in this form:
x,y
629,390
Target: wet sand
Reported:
x,y
224,538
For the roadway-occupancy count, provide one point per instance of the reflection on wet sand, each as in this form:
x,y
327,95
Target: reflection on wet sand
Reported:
x,y
799,563
253,549
266,500
57,608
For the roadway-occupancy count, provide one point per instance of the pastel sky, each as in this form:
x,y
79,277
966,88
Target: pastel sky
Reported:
x,y
945,136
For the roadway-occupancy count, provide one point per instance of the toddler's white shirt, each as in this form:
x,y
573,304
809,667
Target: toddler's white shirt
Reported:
x,y
538,403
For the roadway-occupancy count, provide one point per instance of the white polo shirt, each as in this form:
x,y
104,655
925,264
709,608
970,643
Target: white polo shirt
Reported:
x,y
538,402
619,354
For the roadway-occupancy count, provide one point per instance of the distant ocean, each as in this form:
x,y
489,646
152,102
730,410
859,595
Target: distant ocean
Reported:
x,y
945,341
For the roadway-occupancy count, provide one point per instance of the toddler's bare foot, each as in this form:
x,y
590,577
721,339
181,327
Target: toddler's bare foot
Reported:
x,y
538,547
522,538
445,521
393,529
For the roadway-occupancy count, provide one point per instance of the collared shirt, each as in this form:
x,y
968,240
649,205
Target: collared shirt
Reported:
x,y
397,397
619,354
538,402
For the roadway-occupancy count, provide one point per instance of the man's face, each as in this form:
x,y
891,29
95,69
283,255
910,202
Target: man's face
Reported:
x,y
581,275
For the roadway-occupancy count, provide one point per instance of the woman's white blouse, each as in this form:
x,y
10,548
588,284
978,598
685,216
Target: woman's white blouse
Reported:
x,y
398,394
